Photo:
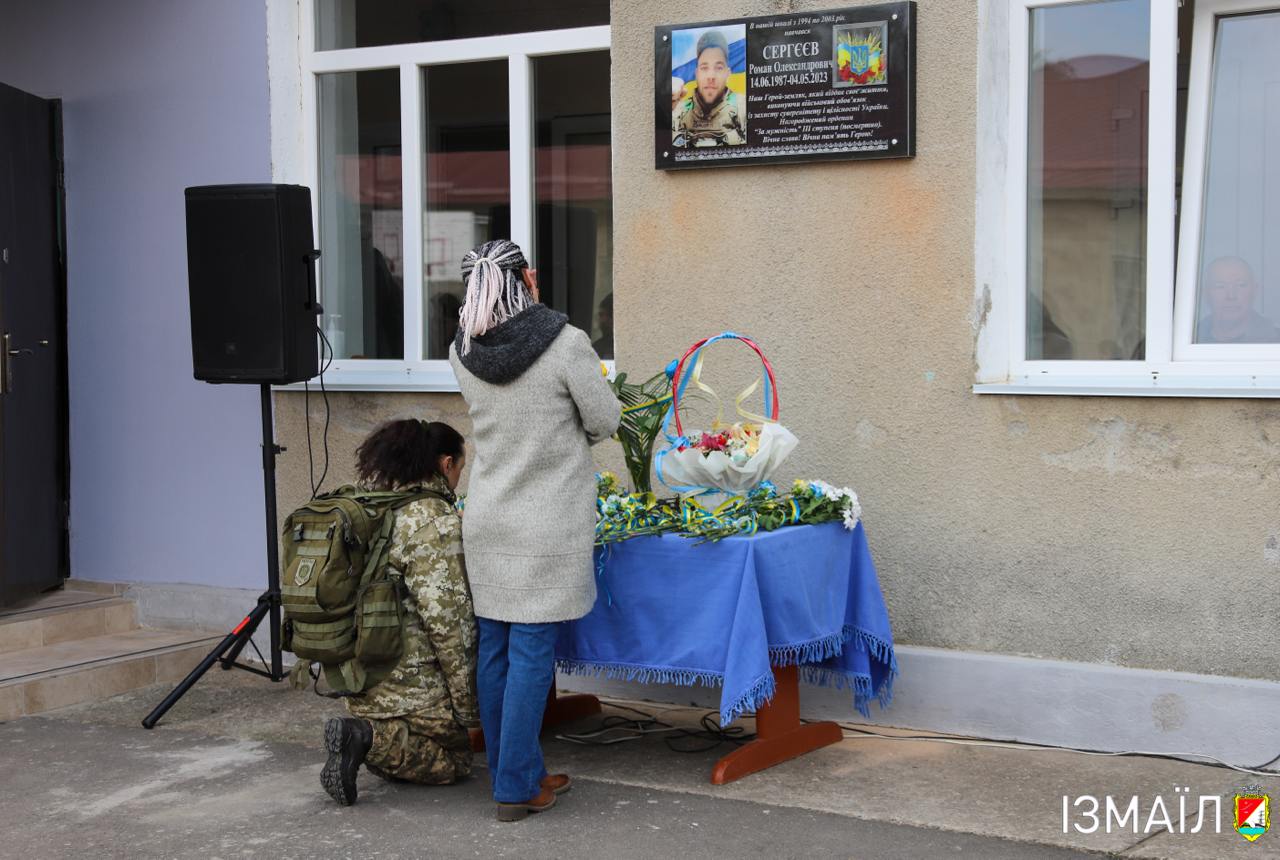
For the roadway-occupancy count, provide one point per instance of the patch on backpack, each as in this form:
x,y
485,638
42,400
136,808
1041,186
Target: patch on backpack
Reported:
x,y
306,566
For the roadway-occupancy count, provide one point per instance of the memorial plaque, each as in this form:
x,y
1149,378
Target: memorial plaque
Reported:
x,y
813,86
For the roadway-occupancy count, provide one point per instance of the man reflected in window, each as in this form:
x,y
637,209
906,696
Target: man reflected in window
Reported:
x,y
1232,290
604,318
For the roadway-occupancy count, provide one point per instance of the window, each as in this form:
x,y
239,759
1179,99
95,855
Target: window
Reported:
x,y
369,23
438,126
1140,196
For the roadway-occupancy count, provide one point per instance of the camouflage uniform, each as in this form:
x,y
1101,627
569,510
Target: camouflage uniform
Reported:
x,y
421,711
724,125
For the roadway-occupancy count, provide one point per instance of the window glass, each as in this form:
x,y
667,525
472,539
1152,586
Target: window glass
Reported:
x,y
1087,182
366,23
574,192
361,226
1239,286
1186,21
468,184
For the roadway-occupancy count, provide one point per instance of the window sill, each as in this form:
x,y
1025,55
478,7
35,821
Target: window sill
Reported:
x,y
433,376
1138,385
426,376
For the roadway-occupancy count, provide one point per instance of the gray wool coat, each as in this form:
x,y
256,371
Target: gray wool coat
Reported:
x,y
529,524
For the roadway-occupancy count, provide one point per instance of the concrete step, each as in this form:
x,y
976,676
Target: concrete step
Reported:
x,y
35,680
64,617
107,588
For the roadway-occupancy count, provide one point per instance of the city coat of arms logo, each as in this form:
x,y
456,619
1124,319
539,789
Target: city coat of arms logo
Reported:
x,y
1252,816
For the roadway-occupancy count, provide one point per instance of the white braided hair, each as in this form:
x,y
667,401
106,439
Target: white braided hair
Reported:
x,y
495,292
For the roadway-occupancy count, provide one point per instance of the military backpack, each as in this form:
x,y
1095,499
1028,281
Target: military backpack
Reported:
x,y
342,599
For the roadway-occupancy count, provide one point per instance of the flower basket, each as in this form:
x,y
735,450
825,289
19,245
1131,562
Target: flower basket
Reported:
x,y
729,459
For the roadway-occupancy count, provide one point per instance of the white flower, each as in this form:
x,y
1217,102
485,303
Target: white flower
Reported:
x,y
852,510
822,488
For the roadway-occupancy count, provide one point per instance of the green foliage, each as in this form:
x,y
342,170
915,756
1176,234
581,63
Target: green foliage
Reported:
x,y
627,515
643,407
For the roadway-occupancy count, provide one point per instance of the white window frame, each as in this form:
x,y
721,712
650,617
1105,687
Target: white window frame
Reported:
x,y
1173,365
518,49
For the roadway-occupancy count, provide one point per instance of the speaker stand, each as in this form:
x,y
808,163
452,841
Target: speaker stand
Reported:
x,y
227,652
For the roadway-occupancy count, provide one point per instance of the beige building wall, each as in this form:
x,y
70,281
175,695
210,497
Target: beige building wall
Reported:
x,y
1140,532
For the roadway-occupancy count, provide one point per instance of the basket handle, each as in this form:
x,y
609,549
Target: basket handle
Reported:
x,y
679,382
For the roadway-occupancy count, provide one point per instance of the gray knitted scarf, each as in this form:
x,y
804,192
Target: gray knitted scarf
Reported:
x,y
502,354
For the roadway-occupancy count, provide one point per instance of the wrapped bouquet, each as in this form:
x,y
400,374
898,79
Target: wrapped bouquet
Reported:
x,y
731,459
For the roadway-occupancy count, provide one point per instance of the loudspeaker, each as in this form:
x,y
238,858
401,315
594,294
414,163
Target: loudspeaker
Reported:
x,y
250,269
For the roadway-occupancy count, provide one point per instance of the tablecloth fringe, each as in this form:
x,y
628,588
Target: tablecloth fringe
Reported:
x,y
879,649
760,692
861,685
811,650
641,674
831,645
756,696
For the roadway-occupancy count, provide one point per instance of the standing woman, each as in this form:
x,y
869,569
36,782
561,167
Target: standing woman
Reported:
x,y
538,403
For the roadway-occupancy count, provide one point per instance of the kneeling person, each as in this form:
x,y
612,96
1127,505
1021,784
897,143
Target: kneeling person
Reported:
x,y
413,725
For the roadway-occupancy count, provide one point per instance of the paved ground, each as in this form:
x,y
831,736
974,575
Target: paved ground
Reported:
x,y
232,772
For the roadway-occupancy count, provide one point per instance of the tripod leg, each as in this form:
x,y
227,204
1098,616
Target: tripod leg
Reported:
x,y
235,639
229,659
275,671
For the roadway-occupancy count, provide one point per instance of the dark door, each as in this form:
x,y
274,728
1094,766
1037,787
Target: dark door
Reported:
x,y
32,352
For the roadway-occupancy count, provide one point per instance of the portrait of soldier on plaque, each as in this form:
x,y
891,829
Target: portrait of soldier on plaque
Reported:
x,y
861,54
708,86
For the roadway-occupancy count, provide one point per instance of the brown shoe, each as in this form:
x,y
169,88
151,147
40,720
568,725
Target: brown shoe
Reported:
x,y
517,811
557,782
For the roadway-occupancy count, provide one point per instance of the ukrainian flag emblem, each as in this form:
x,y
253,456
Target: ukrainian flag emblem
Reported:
x,y
860,55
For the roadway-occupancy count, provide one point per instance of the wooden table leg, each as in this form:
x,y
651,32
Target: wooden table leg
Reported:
x,y
779,733
566,709
560,709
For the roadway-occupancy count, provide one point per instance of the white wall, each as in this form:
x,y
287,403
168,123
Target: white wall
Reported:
x,y
166,479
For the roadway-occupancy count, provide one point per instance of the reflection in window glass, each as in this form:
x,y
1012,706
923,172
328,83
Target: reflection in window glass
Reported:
x,y
574,191
468,184
1087,184
1186,20
361,227
366,23
1239,288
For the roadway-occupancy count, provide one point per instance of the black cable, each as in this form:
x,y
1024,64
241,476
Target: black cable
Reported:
x,y
326,359
649,717
966,739
1266,764
712,735
306,420
324,393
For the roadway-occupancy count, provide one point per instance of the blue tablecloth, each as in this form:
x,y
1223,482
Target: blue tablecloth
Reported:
x,y
672,611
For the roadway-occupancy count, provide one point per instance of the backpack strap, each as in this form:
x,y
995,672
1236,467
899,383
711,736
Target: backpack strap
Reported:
x,y
382,540
351,673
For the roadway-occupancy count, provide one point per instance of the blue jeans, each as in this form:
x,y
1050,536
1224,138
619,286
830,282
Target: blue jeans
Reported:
x,y
515,672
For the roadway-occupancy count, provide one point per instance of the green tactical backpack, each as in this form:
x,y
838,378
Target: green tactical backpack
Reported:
x,y
342,599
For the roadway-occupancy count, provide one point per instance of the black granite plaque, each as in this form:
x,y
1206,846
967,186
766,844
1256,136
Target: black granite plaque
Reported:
x,y
813,86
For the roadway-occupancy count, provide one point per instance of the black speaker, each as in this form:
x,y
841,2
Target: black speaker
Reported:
x,y
251,272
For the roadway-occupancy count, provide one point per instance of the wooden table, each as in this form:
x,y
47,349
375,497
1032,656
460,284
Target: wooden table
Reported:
x,y
779,733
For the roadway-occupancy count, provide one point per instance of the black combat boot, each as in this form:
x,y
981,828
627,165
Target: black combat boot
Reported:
x,y
348,740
